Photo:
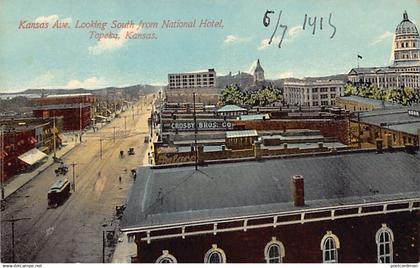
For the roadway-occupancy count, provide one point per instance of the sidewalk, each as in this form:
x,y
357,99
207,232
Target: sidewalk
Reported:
x,y
124,250
20,180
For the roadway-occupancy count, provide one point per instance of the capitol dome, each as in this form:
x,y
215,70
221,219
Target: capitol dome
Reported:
x,y
406,26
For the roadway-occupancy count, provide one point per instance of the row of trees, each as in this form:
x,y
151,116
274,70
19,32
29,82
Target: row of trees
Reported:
x,y
404,96
262,97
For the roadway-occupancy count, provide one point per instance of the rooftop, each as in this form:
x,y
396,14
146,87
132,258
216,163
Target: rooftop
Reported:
x,y
231,108
395,119
241,133
363,100
164,196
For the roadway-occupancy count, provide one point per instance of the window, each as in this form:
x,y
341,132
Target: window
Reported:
x,y
274,251
329,246
166,258
384,239
215,255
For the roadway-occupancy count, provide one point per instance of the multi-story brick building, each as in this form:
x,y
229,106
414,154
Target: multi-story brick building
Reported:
x,y
360,207
75,116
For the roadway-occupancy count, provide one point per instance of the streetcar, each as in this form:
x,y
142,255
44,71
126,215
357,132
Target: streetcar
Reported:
x,y
58,192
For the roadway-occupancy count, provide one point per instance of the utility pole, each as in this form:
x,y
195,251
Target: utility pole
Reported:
x,y
195,134
2,155
114,133
103,246
74,175
100,148
80,120
125,124
55,142
12,221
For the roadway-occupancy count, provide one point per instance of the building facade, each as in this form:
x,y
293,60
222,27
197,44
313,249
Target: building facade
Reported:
x,y
75,116
405,70
313,93
198,79
337,210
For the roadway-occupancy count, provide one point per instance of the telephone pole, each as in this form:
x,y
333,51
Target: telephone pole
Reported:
x,y
74,175
100,148
195,134
12,221
2,155
55,142
114,133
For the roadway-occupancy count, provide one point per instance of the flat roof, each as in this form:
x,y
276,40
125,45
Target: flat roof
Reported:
x,y
179,195
241,133
363,100
395,119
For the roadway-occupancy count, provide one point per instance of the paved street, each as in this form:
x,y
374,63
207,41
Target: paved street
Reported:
x,y
72,232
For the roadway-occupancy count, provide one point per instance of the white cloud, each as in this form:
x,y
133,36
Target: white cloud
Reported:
x,y
52,19
252,67
90,83
234,38
110,44
291,34
287,74
264,43
382,37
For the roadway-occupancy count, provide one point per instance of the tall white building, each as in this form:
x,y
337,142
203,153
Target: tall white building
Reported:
x,y
313,93
405,70
198,79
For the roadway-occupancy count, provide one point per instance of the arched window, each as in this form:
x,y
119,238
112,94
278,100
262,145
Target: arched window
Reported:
x,y
215,255
166,258
384,239
329,246
274,251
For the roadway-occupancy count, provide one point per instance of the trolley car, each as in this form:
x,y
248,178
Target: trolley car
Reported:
x,y
58,192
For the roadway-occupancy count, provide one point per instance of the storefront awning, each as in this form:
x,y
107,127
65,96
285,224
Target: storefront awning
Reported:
x,y
32,156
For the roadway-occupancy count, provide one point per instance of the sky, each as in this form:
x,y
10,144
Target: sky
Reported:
x,y
70,58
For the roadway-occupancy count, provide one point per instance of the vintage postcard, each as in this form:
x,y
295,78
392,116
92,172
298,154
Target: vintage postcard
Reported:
x,y
209,131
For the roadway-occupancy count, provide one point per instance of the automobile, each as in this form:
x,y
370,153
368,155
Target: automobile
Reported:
x,y
130,151
146,139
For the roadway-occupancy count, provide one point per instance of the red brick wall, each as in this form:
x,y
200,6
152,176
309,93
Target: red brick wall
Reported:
x,y
338,128
301,241
71,116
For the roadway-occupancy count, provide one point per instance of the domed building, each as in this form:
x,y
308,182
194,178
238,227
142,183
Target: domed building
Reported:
x,y
405,70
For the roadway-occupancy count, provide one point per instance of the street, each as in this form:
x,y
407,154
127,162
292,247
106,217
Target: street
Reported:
x,y
72,232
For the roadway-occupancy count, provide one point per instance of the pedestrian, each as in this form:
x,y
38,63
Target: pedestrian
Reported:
x,y
119,178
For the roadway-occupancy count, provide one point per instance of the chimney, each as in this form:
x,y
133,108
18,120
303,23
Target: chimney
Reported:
x,y
298,192
379,143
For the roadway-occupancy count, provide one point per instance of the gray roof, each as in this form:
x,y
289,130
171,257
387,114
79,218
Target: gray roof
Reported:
x,y
395,119
179,195
241,133
231,108
363,100
250,117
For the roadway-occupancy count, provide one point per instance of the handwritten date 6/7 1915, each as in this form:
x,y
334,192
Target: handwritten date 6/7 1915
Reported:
x,y
308,22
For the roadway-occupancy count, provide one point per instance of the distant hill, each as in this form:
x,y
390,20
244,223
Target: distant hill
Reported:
x,y
146,89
